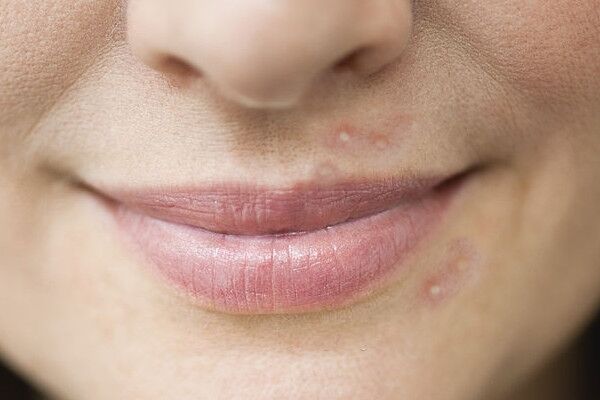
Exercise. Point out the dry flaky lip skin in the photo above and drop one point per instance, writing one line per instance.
(326, 267)
(252, 210)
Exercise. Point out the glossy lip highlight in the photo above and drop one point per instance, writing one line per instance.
(298, 252)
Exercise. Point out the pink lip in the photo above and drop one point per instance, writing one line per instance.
(261, 211)
(307, 248)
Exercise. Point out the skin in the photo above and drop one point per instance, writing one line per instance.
(192, 92)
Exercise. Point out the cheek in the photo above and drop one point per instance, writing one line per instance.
(45, 47)
(546, 48)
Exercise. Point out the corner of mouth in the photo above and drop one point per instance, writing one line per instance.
(235, 270)
(254, 210)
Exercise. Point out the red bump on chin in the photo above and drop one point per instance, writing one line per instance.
(454, 274)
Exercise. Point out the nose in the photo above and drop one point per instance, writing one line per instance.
(267, 53)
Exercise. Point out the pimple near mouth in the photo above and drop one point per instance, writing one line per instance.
(458, 267)
(314, 244)
(289, 273)
(352, 137)
(327, 199)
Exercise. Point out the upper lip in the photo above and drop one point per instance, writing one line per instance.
(253, 210)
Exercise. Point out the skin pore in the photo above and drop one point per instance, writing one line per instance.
(190, 93)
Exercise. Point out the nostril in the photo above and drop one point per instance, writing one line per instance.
(177, 67)
(347, 63)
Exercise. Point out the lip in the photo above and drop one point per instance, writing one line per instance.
(251, 210)
(252, 250)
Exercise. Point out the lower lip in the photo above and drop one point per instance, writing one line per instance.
(310, 271)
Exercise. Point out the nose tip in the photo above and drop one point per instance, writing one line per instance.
(266, 54)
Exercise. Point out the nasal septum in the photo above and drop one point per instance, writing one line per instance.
(268, 54)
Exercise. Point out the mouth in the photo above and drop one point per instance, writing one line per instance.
(255, 250)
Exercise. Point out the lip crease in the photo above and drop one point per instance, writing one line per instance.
(255, 250)
(252, 210)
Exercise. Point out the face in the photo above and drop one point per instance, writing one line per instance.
(424, 177)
